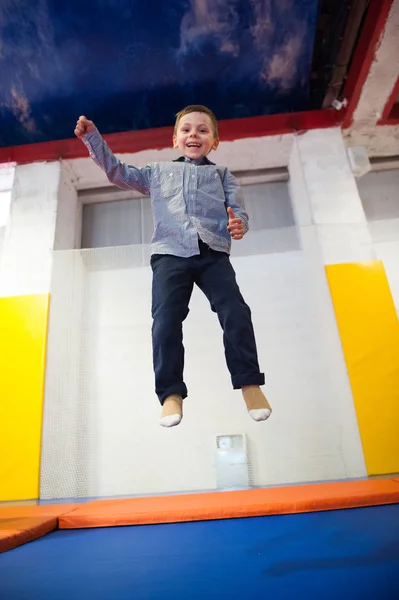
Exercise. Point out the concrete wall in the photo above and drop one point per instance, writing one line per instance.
(6, 184)
(314, 432)
(29, 237)
(380, 197)
(101, 434)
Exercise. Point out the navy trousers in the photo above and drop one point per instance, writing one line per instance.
(172, 286)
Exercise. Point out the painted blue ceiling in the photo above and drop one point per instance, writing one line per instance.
(132, 64)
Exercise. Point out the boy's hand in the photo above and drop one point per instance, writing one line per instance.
(83, 126)
(235, 225)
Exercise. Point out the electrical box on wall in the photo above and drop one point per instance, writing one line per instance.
(232, 469)
(359, 161)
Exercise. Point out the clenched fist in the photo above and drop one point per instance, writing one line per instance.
(83, 126)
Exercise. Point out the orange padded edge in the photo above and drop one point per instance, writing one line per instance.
(227, 505)
(20, 530)
(22, 524)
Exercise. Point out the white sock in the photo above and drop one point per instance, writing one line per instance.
(260, 414)
(170, 421)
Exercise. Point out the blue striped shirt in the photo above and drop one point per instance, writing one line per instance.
(189, 198)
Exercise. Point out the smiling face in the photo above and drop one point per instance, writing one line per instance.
(194, 135)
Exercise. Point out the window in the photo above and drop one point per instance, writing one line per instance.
(129, 221)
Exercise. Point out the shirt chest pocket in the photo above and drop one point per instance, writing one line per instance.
(170, 182)
(211, 184)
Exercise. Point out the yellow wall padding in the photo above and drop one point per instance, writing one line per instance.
(369, 330)
(23, 327)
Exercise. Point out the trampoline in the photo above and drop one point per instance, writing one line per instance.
(216, 545)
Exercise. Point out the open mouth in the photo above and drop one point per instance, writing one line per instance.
(193, 145)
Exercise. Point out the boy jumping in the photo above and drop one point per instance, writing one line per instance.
(197, 208)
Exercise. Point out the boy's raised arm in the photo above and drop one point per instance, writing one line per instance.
(117, 172)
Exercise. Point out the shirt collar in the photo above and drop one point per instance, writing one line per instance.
(197, 161)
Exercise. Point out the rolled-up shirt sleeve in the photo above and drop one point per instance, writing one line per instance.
(235, 198)
(120, 174)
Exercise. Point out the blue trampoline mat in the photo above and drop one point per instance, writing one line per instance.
(345, 554)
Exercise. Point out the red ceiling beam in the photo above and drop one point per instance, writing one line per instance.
(390, 115)
(155, 139)
(376, 18)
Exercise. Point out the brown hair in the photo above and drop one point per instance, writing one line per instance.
(198, 108)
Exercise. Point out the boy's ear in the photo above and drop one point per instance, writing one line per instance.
(216, 144)
(175, 144)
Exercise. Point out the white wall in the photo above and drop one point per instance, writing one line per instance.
(66, 439)
(39, 211)
(68, 227)
(379, 192)
(28, 241)
(380, 197)
(6, 183)
(101, 431)
(111, 442)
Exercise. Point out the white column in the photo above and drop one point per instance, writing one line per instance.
(42, 217)
(26, 258)
(6, 182)
(68, 228)
(326, 199)
(333, 229)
